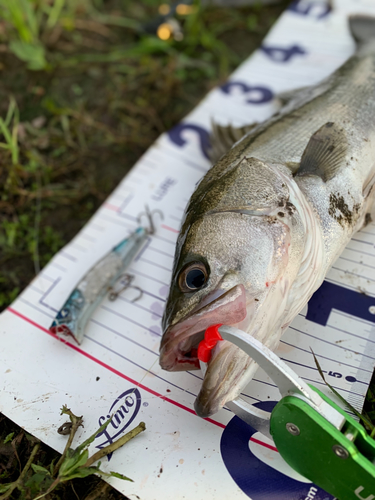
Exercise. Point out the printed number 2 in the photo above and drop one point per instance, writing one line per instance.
(176, 135)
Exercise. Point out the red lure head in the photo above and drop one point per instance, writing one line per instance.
(211, 338)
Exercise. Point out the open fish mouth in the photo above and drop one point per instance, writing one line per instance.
(179, 346)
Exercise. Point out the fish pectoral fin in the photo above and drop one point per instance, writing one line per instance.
(325, 152)
(223, 137)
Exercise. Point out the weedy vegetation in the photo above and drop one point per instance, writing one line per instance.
(72, 464)
(85, 89)
(86, 86)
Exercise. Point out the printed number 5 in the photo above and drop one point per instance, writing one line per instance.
(307, 8)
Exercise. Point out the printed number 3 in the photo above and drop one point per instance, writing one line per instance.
(254, 94)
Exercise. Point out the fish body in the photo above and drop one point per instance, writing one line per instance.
(268, 220)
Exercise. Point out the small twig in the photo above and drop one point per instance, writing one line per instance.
(74, 491)
(15, 442)
(76, 422)
(22, 475)
(116, 445)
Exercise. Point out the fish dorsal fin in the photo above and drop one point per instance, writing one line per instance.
(362, 27)
(325, 152)
(289, 96)
(223, 137)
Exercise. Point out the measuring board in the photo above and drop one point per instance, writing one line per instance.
(116, 369)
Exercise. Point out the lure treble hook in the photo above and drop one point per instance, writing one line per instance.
(126, 280)
(149, 214)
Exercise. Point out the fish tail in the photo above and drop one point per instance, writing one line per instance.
(362, 28)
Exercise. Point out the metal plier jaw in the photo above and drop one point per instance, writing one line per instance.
(287, 381)
(312, 434)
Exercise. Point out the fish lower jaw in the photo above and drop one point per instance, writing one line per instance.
(218, 389)
(184, 356)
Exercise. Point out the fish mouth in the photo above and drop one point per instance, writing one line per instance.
(179, 346)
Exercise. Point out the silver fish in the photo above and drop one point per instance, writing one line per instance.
(268, 220)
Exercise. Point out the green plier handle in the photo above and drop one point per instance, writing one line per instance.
(312, 434)
(341, 461)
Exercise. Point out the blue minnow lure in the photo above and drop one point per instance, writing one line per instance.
(96, 284)
(99, 281)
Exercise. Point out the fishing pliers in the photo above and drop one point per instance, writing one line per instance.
(313, 435)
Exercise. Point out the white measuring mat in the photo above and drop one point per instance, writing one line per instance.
(180, 455)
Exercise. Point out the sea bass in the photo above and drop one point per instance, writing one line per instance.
(268, 220)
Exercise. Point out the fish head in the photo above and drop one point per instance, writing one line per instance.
(231, 267)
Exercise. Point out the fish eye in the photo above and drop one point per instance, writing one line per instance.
(192, 277)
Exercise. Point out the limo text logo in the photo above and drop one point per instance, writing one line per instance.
(124, 411)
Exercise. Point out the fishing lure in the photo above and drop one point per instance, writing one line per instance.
(100, 281)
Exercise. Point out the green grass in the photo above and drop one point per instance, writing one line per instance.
(84, 91)
(41, 481)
